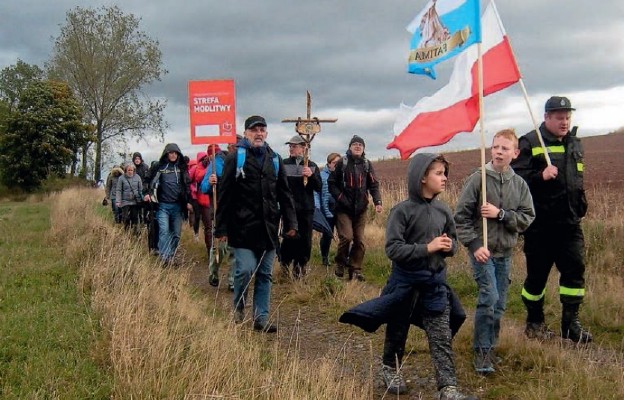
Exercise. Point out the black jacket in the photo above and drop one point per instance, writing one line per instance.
(303, 195)
(351, 185)
(249, 206)
(557, 201)
(153, 175)
(142, 170)
(406, 295)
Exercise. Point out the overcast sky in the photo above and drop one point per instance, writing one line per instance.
(351, 55)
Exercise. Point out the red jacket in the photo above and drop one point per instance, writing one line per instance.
(197, 175)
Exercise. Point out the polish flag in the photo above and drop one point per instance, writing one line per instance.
(455, 108)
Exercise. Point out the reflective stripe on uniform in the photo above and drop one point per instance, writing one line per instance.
(551, 149)
(576, 292)
(532, 297)
(579, 166)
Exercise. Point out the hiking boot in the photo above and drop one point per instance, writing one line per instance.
(452, 393)
(299, 271)
(239, 316)
(266, 327)
(539, 331)
(339, 270)
(285, 275)
(393, 380)
(356, 275)
(571, 327)
(325, 262)
(213, 280)
(483, 362)
(575, 332)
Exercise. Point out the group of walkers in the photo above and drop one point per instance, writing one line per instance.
(534, 186)
(265, 208)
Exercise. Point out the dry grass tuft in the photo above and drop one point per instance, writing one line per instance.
(163, 341)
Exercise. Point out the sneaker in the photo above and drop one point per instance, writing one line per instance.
(452, 393)
(325, 262)
(496, 359)
(213, 280)
(239, 316)
(539, 331)
(266, 327)
(483, 362)
(393, 380)
(231, 287)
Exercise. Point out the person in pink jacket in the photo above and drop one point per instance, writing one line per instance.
(202, 200)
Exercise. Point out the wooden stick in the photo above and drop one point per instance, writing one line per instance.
(482, 129)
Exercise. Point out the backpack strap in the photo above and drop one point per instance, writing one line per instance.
(241, 156)
(345, 162)
(276, 163)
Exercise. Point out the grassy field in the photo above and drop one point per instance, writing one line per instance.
(85, 313)
(49, 334)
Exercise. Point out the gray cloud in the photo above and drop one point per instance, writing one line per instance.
(350, 55)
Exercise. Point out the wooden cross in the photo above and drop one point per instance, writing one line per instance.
(307, 128)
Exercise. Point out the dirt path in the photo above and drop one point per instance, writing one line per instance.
(312, 333)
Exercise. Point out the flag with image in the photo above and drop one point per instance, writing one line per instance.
(434, 120)
(443, 29)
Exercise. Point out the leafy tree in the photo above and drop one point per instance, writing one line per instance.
(42, 134)
(14, 79)
(108, 61)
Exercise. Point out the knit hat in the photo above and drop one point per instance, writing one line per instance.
(357, 139)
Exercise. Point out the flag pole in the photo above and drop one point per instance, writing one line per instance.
(524, 91)
(539, 134)
(215, 245)
(482, 130)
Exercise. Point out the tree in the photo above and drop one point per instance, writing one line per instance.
(14, 79)
(42, 134)
(107, 61)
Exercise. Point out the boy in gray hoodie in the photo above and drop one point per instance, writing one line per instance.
(420, 235)
(508, 211)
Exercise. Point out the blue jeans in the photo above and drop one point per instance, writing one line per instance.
(247, 264)
(493, 281)
(169, 217)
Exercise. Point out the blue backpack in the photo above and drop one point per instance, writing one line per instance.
(241, 155)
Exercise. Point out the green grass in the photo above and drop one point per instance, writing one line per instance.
(49, 338)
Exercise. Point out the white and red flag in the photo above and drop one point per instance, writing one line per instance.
(453, 109)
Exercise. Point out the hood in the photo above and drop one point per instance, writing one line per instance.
(415, 173)
(117, 171)
(201, 155)
(171, 147)
(137, 154)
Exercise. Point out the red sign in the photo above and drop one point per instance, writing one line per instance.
(212, 107)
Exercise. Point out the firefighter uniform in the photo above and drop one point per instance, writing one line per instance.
(555, 237)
